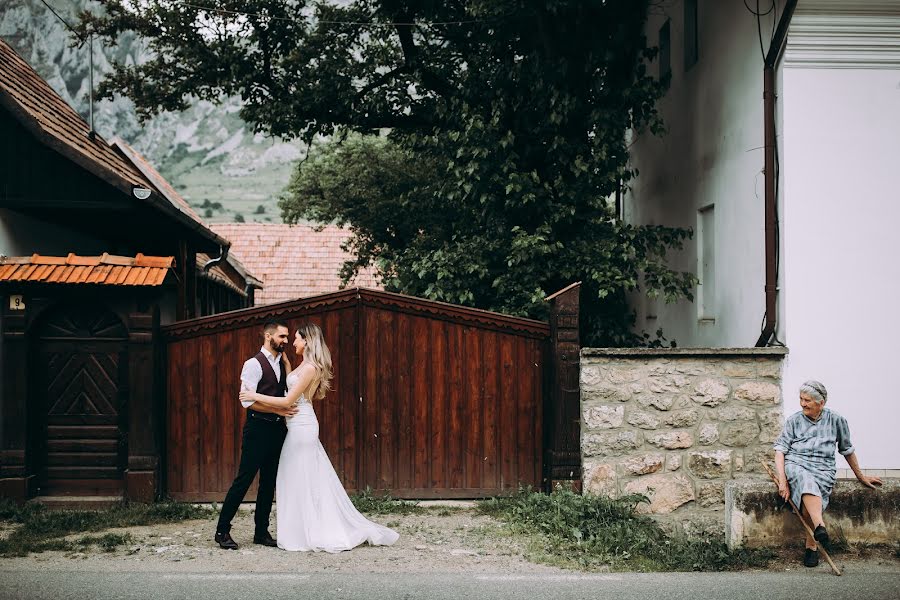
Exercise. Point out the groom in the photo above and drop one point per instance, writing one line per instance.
(264, 433)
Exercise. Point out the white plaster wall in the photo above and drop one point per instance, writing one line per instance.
(21, 235)
(711, 154)
(841, 166)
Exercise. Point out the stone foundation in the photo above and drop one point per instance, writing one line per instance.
(855, 514)
(676, 425)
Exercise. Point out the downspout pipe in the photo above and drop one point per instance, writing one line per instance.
(223, 254)
(776, 47)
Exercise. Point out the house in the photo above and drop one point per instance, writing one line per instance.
(97, 253)
(782, 155)
(293, 261)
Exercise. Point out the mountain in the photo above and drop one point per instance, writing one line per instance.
(208, 153)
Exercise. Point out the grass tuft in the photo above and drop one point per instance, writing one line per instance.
(590, 532)
(373, 503)
(40, 529)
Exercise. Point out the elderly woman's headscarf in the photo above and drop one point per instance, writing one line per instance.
(816, 390)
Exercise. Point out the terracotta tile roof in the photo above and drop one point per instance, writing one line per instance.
(169, 193)
(43, 111)
(45, 114)
(293, 261)
(106, 269)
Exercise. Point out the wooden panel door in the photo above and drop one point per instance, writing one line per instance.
(80, 380)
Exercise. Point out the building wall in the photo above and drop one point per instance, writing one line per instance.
(21, 235)
(711, 154)
(838, 124)
(841, 166)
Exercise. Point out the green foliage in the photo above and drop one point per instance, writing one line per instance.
(41, 529)
(591, 532)
(238, 218)
(260, 210)
(372, 503)
(507, 120)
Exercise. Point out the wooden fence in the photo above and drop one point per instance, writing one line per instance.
(430, 400)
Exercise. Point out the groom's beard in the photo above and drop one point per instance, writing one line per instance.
(277, 348)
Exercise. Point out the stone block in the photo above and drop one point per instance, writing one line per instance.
(772, 422)
(710, 464)
(673, 462)
(683, 418)
(617, 375)
(710, 392)
(739, 434)
(643, 420)
(666, 492)
(739, 369)
(708, 434)
(643, 465)
(757, 391)
(610, 444)
(754, 456)
(711, 494)
(603, 417)
(600, 480)
(600, 393)
(672, 440)
(591, 375)
(735, 413)
(657, 401)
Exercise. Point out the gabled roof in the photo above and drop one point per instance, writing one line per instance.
(293, 261)
(174, 198)
(72, 269)
(57, 125)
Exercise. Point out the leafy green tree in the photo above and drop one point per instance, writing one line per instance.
(507, 123)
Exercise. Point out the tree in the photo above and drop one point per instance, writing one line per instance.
(507, 123)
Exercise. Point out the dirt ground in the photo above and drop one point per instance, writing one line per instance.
(454, 540)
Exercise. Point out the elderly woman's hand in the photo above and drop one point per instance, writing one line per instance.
(869, 482)
(784, 489)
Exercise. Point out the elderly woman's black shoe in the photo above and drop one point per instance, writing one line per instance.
(811, 558)
(821, 537)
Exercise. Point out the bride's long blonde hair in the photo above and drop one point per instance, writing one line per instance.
(318, 355)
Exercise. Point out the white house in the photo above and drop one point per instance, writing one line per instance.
(834, 186)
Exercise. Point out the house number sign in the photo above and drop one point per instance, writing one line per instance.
(16, 302)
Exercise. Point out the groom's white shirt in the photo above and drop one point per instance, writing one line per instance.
(252, 372)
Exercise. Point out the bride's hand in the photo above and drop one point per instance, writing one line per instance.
(247, 396)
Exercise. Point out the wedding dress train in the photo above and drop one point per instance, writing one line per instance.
(313, 512)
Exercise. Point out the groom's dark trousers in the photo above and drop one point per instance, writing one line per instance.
(261, 443)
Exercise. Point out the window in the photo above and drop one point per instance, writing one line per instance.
(706, 263)
(665, 50)
(691, 49)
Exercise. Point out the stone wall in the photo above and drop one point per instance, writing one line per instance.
(676, 425)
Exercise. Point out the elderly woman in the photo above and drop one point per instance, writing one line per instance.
(804, 460)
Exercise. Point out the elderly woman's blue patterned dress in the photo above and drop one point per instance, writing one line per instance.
(808, 447)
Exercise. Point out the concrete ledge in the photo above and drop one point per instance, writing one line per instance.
(855, 514)
(685, 352)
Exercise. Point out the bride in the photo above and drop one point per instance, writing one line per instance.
(313, 511)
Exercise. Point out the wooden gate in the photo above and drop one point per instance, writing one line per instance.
(430, 400)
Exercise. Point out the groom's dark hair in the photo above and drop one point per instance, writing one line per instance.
(273, 324)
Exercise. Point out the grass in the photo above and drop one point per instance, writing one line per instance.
(38, 529)
(589, 532)
(373, 503)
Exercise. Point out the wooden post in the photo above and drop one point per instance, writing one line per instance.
(562, 456)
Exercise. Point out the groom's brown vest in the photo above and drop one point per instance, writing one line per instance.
(269, 385)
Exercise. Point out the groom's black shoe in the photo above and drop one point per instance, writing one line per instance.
(265, 539)
(224, 540)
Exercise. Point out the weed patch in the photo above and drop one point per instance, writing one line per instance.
(371, 503)
(40, 529)
(588, 532)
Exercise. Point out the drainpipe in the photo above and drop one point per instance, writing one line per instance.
(771, 212)
(223, 254)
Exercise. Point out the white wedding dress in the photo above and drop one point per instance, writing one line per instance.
(313, 512)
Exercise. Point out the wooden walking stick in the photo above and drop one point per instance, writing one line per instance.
(802, 520)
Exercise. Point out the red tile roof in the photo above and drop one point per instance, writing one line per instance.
(293, 261)
(57, 125)
(106, 269)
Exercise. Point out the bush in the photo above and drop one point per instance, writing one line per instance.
(593, 532)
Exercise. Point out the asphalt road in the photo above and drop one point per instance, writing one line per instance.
(60, 585)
